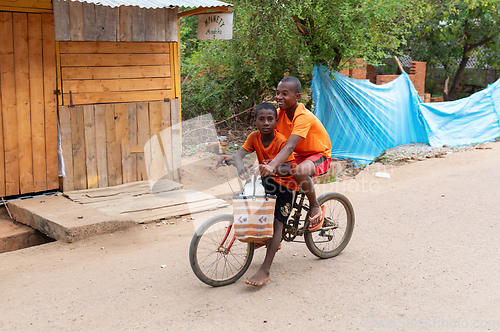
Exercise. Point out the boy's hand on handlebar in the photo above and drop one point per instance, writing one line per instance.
(265, 170)
(244, 173)
(224, 161)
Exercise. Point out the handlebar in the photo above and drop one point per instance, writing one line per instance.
(228, 163)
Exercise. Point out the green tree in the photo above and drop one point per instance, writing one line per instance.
(338, 31)
(452, 32)
(272, 37)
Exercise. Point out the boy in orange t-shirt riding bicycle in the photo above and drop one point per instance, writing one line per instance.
(267, 143)
(307, 139)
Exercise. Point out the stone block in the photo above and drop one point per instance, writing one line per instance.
(15, 236)
(437, 99)
(62, 219)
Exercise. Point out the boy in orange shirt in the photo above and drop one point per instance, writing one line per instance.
(307, 139)
(267, 143)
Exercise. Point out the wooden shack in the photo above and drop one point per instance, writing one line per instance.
(107, 76)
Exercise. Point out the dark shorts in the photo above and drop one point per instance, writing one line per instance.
(321, 163)
(284, 198)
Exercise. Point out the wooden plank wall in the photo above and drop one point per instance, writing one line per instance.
(109, 72)
(28, 108)
(103, 145)
(38, 6)
(81, 21)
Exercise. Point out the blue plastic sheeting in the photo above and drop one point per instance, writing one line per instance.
(474, 119)
(364, 119)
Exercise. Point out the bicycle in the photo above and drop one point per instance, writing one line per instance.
(218, 259)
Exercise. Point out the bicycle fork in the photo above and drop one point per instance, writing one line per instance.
(221, 248)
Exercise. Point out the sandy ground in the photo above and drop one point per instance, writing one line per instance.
(424, 255)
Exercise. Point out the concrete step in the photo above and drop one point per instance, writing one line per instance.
(15, 236)
(73, 216)
(62, 219)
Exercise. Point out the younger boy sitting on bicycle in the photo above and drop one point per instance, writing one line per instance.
(267, 143)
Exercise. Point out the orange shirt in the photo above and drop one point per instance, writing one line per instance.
(315, 138)
(266, 154)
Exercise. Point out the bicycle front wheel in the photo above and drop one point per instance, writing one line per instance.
(333, 236)
(216, 257)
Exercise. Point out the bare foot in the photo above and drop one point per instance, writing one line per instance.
(259, 278)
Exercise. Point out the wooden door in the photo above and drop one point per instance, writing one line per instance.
(28, 104)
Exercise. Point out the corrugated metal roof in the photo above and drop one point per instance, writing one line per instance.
(158, 3)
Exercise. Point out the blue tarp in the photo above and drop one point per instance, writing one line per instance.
(364, 119)
(474, 119)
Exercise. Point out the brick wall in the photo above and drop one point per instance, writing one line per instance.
(417, 76)
(359, 72)
(345, 72)
(363, 71)
(370, 73)
(382, 79)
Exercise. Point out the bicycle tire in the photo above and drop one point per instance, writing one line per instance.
(339, 223)
(208, 257)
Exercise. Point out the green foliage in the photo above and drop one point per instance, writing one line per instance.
(452, 31)
(226, 76)
(189, 28)
(206, 87)
(274, 37)
(336, 31)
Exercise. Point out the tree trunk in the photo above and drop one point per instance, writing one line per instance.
(459, 76)
(338, 57)
(457, 80)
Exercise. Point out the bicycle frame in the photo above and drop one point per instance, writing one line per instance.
(291, 230)
(221, 245)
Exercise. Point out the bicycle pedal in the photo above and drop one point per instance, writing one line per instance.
(328, 222)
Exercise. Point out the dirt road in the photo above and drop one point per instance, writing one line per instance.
(424, 255)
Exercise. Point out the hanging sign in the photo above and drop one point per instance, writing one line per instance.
(215, 26)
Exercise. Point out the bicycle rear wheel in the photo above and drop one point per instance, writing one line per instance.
(216, 257)
(333, 236)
